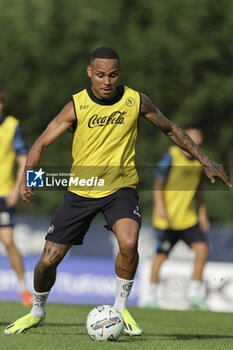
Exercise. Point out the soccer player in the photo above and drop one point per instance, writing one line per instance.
(12, 146)
(177, 182)
(106, 117)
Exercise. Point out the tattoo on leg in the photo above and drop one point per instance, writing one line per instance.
(45, 271)
(55, 253)
(120, 269)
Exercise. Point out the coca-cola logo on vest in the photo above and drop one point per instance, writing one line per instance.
(115, 118)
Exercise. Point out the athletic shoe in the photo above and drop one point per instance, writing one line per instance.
(130, 325)
(198, 303)
(26, 297)
(23, 324)
(153, 304)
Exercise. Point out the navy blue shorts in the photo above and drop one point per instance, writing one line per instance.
(73, 217)
(7, 215)
(166, 239)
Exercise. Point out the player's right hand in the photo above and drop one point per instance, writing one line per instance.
(24, 191)
(26, 194)
(161, 212)
(215, 169)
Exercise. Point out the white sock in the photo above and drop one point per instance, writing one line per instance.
(123, 289)
(154, 291)
(195, 289)
(22, 285)
(39, 302)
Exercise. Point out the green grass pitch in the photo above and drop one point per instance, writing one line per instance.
(163, 330)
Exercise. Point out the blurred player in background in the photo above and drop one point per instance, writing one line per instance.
(12, 146)
(106, 118)
(175, 218)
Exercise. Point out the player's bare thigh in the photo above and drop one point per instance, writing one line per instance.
(6, 235)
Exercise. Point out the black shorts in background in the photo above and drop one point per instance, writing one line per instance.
(166, 239)
(73, 217)
(7, 215)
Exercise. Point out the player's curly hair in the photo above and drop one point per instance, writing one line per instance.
(104, 52)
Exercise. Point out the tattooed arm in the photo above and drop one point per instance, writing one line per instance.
(181, 139)
(56, 127)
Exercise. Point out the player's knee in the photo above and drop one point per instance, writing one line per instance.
(206, 252)
(8, 244)
(129, 246)
(202, 252)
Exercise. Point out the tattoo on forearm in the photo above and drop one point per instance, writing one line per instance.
(35, 149)
(173, 132)
(182, 139)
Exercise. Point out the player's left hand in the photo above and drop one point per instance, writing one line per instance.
(204, 222)
(215, 169)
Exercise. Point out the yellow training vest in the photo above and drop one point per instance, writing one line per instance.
(180, 188)
(104, 143)
(7, 154)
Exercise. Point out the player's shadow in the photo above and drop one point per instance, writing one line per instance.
(52, 324)
(178, 336)
(144, 337)
(64, 324)
(64, 328)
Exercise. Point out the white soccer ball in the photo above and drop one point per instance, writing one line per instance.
(104, 323)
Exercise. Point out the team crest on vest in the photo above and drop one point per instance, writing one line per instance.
(130, 101)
